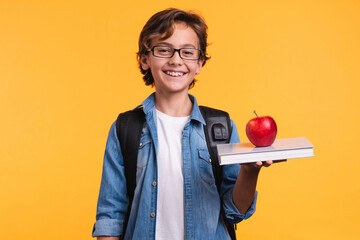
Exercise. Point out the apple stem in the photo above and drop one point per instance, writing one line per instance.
(256, 114)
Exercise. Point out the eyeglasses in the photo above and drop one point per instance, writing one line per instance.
(168, 52)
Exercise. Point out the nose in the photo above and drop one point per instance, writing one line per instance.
(176, 59)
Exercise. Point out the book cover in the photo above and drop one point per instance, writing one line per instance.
(286, 148)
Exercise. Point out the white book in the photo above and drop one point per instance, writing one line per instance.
(286, 148)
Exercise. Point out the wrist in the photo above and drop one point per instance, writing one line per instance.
(250, 169)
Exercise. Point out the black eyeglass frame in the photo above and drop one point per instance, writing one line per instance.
(175, 50)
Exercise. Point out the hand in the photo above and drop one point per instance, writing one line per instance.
(269, 162)
(258, 165)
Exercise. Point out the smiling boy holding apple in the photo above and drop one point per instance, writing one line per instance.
(175, 195)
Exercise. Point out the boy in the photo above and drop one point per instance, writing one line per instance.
(175, 196)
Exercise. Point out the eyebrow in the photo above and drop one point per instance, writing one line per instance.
(188, 45)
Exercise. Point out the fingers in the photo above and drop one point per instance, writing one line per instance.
(269, 163)
(264, 164)
(260, 164)
(283, 160)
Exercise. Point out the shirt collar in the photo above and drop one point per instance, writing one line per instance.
(149, 106)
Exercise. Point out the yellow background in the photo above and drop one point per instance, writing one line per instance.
(67, 68)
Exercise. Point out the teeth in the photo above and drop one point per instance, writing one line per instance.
(174, 73)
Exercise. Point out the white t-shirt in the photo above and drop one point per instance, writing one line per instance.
(170, 186)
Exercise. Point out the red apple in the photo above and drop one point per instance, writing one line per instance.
(261, 131)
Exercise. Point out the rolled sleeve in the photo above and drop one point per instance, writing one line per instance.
(230, 173)
(107, 227)
(113, 202)
(232, 213)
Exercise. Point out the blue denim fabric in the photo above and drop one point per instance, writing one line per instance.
(202, 200)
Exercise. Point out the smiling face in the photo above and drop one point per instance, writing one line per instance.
(174, 75)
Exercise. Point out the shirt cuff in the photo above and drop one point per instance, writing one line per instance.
(232, 214)
(107, 227)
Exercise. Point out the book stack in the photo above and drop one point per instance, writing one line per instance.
(286, 148)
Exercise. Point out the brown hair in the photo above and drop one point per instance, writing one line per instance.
(162, 24)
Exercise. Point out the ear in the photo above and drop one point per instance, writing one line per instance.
(144, 61)
(199, 66)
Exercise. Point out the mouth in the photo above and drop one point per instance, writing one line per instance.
(174, 73)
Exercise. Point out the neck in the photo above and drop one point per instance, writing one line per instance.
(175, 105)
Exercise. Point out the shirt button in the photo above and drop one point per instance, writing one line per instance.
(152, 214)
(209, 160)
(154, 183)
(141, 144)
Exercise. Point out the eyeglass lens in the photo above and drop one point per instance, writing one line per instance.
(168, 52)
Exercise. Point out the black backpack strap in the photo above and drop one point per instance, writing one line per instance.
(129, 126)
(217, 131)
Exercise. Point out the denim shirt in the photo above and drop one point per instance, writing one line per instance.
(202, 200)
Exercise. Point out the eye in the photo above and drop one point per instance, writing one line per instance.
(163, 50)
(189, 52)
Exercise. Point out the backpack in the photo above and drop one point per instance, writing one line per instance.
(129, 127)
